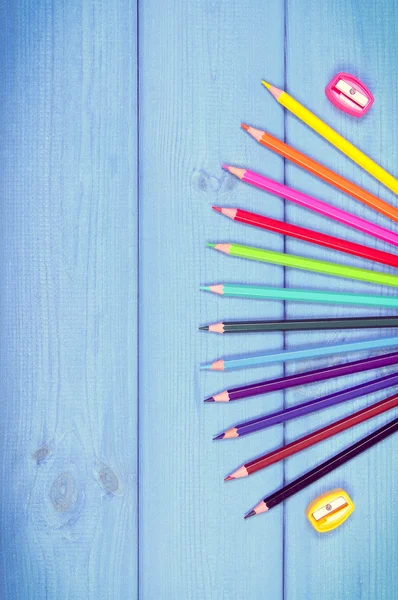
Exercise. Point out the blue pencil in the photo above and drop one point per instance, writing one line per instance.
(257, 360)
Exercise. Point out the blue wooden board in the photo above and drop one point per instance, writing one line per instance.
(358, 560)
(116, 118)
(200, 73)
(68, 432)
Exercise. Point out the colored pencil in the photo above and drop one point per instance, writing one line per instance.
(314, 438)
(306, 264)
(324, 468)
(290, 381)
(308, 235)
(299, 295)
(258, 360)
(300, 325)
(306, 408)
(316, 168)
(279, 189)
(333, 137)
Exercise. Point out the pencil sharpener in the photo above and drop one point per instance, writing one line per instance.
(330, 510)
(349, 94)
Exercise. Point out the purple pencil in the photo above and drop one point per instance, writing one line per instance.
(306, 408)
(283, 383)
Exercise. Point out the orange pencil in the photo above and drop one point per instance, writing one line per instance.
(314, 167)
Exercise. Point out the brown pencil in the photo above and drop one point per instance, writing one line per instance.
(324, 468)
(314, 438)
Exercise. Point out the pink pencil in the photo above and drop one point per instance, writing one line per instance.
(269, 185)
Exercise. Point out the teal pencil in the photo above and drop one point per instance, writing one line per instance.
(299, 295)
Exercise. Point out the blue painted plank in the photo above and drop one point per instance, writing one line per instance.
(201, 65)
(358, 560)
(68, 300)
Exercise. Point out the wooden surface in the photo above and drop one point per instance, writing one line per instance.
(115, 120)
(68, 488)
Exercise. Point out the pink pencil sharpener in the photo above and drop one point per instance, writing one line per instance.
(349, 94)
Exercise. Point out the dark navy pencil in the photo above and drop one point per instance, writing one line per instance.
(324, 468)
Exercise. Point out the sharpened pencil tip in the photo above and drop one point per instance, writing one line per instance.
(225, 167)
(250, 514)
(211, 399)
(244, 126)
(228, 478)
(205, 288)
(266, 84)
(209, 245)
(217, 208)
(220, 436)
(204, 328)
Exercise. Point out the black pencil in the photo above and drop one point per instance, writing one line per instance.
(301, 324)
(324, 468)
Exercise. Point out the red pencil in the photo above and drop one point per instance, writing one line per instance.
(313, 438)
(308, 235)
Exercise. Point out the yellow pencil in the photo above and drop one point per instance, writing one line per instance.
(333, 137)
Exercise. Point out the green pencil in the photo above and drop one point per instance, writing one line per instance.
(307, 264)
(298, 295)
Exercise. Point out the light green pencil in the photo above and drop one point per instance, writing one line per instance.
(308, 264)
(299, 295)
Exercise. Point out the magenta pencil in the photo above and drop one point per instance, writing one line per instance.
(269, 185)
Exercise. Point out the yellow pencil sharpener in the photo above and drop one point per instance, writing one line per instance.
(330, 510)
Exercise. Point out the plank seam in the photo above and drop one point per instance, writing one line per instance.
(284, 302)
(137, 15)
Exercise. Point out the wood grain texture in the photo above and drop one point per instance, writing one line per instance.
(358, 560)
(68, 300)
(201, 65)
(82, 238)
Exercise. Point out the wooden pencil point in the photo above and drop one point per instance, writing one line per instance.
(221, 397)
(276, 92)
(216, 327)
(217, 289)
(217, 365)
(231, 433)
(256, 133)
(222, 248)
(229, 212)
(237, 171)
